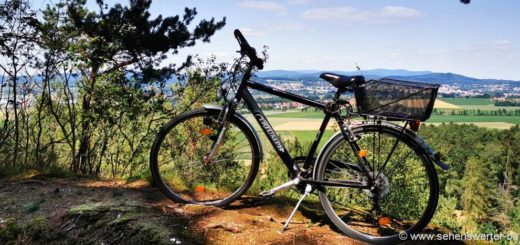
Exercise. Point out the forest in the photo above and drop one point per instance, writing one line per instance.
(73, 105)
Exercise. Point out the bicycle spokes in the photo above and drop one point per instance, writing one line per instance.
(398, 180)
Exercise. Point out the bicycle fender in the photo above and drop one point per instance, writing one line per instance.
(435, 158)
(245, 121)
(427, 148)
(420, 141)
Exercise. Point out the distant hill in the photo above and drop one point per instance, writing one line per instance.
(451, 78)
(419, 76)
(306, 74)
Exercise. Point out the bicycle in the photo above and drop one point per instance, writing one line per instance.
(211, 156)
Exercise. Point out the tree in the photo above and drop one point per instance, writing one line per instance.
(17, 36)
(114, 42)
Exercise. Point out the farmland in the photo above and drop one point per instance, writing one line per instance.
(304, 124)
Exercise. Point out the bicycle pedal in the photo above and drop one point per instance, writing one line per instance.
(266, 194)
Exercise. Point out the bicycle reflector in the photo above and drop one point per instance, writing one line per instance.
(384, 221)
(206, 131)
(414, 125)
(362, 153)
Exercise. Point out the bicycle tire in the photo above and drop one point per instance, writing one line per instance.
(354, 222)
(175, 190)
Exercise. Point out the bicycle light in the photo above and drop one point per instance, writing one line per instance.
(414, 125)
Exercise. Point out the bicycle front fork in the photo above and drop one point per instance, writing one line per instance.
(223, 120)
(216, 145)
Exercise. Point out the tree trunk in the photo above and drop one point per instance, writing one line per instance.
(16, 119)
(84, 144)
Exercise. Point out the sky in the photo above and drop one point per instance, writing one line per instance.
(480, 40)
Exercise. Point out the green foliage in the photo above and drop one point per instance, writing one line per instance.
(37, 228)
(91, 115)
(507, 103)
(32, 207)
(10, 230)
(481, 188)
(446, 214)
(273, 171)
(151, 233)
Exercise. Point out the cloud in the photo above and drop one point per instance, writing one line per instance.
(496, 47)
(248, 32)
(399, 12)
(289, 27)
(264, 5)
(295, 2)
(503, 44)
(351, 14)
(267, 29)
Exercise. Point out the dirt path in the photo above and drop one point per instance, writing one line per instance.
(56, 211)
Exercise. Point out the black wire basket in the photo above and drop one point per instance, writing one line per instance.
(396, 99)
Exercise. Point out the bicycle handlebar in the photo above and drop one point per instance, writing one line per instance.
(245, 48)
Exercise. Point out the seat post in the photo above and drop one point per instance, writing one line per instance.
(337, 95)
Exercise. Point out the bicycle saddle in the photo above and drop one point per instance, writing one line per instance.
(342, 82)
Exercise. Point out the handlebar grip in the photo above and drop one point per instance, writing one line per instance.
(240, 38)
(250, 51)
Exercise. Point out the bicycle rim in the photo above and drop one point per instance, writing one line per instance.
(406, 188)
(181, 172)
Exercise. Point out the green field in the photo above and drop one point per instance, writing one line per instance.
(306, 137)
(483, 120)
(470, 119)
(476, 103)
(300, 114)
(468, 101)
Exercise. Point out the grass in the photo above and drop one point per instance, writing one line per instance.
(33, 206)
(10, 230)
(37, 227)
(89, 208)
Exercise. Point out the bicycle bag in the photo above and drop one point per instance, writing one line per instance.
(396, 99)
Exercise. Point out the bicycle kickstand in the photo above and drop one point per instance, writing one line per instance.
(308, 189)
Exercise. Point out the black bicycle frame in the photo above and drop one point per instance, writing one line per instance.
(244, 94)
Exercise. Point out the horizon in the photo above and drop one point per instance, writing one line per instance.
(303, 71)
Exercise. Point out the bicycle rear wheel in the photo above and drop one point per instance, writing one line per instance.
(403, 194)
(177, 162)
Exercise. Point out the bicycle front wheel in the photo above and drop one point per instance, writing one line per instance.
(178, 166)
(403, 186)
